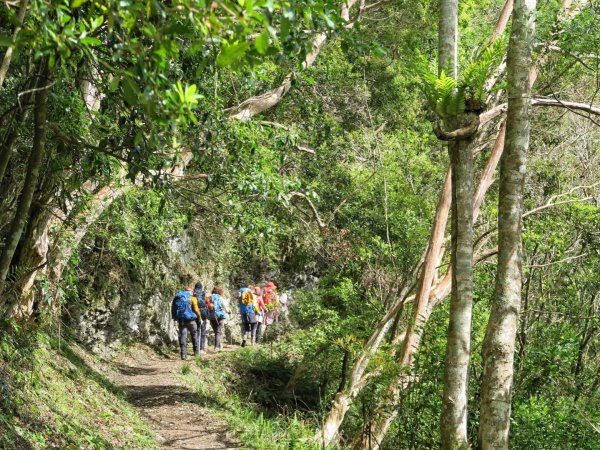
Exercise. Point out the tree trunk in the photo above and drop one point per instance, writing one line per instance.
(357, 378)
(12, 132)
(454, 403)
(435, 294)
(9, 51)
(32, 260)
(31, 178)
(420, 315)
(456, 366)
(499, 342)
(448, 38)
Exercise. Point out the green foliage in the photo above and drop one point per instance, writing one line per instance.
(54, 396)
(450, 98)
(246, 389)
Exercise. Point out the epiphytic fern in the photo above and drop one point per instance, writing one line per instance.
(447, 97)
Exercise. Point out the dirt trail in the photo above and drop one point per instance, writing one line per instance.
(171, 409)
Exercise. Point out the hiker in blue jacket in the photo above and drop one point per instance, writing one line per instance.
(181, 312)
(218, 315)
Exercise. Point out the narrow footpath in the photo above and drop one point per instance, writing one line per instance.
(171, 409)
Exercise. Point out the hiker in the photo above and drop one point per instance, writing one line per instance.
(260, 310)
(200, 295)
(182, 313)
(271, 302)
(218, 315)
(248, 314)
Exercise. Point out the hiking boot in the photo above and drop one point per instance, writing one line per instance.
(244, 343)
(184, 357)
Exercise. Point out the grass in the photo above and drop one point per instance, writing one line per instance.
(245, 388)
(54, 395)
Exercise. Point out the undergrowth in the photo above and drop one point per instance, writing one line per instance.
(246, 389)
(54, 395)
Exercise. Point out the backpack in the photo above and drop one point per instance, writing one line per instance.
(183, 307)
(203, 305)
(218, 311)
(247, 298)
(256, 306)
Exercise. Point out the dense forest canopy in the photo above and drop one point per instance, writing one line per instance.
(422, 177)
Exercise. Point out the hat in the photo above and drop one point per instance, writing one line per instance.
(198, 286)
(270, 285)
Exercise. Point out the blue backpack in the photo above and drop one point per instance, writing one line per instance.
(182, 307)
(202, 306)
(246, 302)
(218, 307)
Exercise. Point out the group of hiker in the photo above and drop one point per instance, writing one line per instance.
(193, 308)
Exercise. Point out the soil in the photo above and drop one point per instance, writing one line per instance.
(171, 409)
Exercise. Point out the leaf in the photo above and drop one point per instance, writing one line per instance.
(130, 91)
(230, 54)
(114, 84)
(284, 29)
(262, 42)
(96, 22)
(77, 3)
(90, 41)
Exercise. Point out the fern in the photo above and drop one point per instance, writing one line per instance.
(445, 87)
(447, 97)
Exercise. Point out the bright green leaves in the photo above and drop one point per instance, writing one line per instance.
(262, 42)
(232, 53)
(183, 99)
(450, 98)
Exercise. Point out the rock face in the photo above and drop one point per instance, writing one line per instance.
(121, 304)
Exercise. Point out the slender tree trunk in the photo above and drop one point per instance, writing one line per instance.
(12, 132)
(357, 378)
(442, 287)
(9, 51)
(499, 342)
(424, 307)
(456, 366)
(438, 292)
(454, 402)
(436, 240)
(31, 178)
(448, 38)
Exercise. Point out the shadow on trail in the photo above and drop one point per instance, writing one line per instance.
(190, 442)
(159, 395)
(133, 371)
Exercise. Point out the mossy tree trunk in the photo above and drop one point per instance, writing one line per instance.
(499, 342)
(32, 176)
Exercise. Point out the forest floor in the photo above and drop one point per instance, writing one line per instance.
(166, 403)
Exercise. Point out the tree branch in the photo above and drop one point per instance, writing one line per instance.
(456, 135)
(587, 107)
